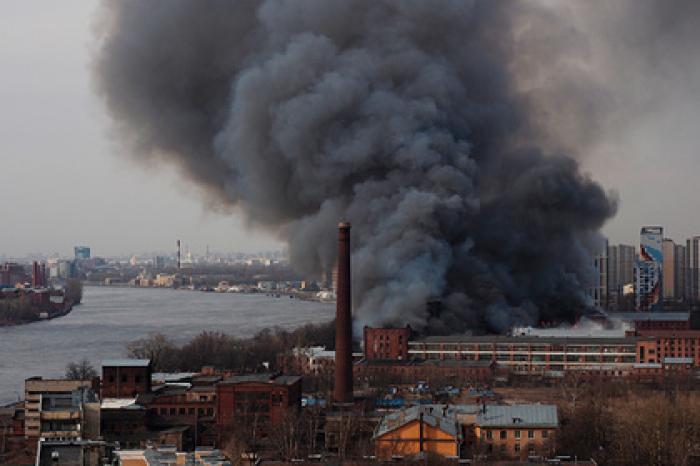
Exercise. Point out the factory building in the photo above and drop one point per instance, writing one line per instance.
(644, 343)
(262, 398)
(125, 378)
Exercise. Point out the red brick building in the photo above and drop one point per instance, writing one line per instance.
(386, 343)
(263, 398)
(125, 378)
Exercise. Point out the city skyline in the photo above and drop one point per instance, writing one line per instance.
(63, 167)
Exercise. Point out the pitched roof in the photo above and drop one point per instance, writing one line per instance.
(439, 416)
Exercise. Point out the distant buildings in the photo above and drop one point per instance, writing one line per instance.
(81, 252)
(621, 260)
(693, 268)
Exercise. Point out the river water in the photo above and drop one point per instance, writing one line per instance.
(109, 318)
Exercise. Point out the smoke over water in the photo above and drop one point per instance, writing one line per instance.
(446, 132)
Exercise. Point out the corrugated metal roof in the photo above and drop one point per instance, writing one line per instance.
(439, 416)
(532, 415)
(678, 360)
(651, 316)
(126, 362)
(525, 339)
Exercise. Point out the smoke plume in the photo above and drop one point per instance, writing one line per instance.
(447, 132)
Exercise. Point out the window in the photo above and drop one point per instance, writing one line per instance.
(163, 411)
(210, 411)
(504, 434)
(517, 434)
(489, 434)
(530, 434)
(182, 411)
(545, 434)
(123, 378)
(200, 411)
(517, 447)
(190, 412)
(173, 411)
(137, 379)
(111, 379)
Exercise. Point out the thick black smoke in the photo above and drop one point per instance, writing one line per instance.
(422, 123)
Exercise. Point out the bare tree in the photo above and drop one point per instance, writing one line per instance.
(82, 370)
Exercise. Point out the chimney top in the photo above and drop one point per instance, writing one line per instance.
(344, 225)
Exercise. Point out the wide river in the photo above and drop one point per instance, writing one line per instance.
(109, 318)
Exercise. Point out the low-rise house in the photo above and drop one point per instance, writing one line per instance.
(498, 431)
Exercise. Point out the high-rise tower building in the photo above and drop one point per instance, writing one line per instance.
(674, 271)
(649, 270)
(692, 284)
(599, 290)
(621, 260)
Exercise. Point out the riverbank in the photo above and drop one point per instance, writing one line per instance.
(109, 318)
(301, 295)
(12, 318)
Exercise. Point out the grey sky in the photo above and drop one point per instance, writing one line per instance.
(63, 182)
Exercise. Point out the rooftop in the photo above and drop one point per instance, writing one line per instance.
(525, 339)
(531, 415)
(265, 377)
(650, 316)
(445, 417)
(126, 362)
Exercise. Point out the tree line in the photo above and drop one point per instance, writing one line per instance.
(226, 352)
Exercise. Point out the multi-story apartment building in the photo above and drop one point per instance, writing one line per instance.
(692, 284)
(61, 409)
(649, 270)
(621, 260)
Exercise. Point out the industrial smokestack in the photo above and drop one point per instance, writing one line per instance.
(342, 391)
(178, 254)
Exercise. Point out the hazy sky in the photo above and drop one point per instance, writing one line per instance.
(63, 181)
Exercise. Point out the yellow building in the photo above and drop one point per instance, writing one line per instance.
(498, 431)
(418, 430)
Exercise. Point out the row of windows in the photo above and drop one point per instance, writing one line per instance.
(124, 378)
(185, 411)
(503, 434)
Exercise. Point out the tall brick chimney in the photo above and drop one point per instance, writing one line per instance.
(342, 391)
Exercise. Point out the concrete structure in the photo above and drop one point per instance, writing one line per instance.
(342, 389)
(74, 453)
(125, 378)
(61, 409)
(649, 270)
(692, 285)
(260, 398)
